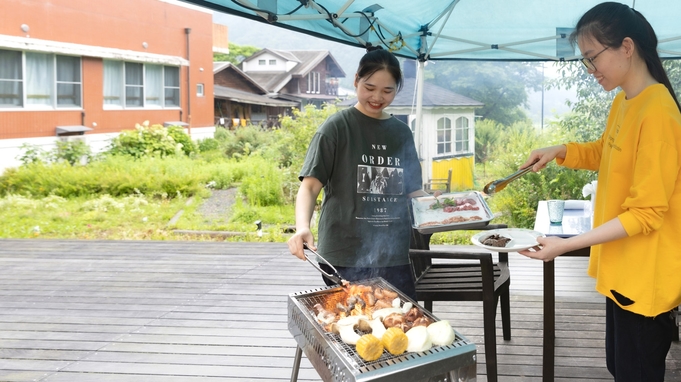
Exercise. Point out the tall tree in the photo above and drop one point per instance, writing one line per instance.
(590, 109)
(486, 137)
(501, 86)
(237, 53)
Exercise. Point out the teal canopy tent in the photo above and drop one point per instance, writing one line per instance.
(504, 30)
(451, 29)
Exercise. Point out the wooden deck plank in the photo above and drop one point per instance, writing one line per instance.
(130, 311)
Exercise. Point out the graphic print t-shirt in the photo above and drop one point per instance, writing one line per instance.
(368, 167)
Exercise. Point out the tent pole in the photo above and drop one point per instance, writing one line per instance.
(422, 139)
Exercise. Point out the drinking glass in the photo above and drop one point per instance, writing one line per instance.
(556, 208)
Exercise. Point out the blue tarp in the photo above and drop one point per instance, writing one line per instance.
(525, 30)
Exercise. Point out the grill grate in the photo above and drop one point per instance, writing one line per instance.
(334, 360)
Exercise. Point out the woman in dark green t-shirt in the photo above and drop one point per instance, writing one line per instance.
(366, 162)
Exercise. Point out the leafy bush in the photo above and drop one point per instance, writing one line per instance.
(71, 152)
(32, 154)
(261, 185)
(178, 134)
(208, 144)
(244, 141)
(299, 130)
(116, 176)
(145, 140)
(519, 200)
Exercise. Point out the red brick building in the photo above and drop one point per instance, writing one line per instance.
(98, 67)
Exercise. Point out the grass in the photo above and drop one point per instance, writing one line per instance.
(147, 217)
(133, 218)
(53, 217)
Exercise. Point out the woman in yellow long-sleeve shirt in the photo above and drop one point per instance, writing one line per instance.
(635, 254)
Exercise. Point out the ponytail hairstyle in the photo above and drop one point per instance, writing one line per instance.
(377, 58)
(609, 23)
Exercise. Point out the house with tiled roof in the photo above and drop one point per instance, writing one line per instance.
(240, 100)
(269, 83)
(301, 76)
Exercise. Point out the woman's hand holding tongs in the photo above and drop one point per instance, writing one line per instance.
(296, 244)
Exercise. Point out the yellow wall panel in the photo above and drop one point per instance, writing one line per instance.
(462, 171)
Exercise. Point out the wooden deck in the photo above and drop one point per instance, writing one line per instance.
(170, 311)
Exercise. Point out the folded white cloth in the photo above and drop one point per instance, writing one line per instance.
(576, 204)
(589, 189)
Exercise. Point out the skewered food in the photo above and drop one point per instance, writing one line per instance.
(369, 347)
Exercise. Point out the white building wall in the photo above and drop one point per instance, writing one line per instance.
(253, 66)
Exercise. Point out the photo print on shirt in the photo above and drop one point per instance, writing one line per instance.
(380, 180)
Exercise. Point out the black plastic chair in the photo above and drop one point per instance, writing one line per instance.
(477, 279)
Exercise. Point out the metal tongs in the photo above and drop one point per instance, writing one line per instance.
(493, 187)
(335, 276)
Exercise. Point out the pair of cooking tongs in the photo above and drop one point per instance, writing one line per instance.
(493, 187)
(316, 259)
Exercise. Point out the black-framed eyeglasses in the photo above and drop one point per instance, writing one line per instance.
(589, 62)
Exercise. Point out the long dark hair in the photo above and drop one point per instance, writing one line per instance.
(609, 23)
(377, 59)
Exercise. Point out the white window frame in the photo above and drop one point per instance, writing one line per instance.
(200, 90)
(174, 88)
(153, 86)
(119, 89)
(313, 83)
(14, 82)
(77, 85)
(462, 136)
(24, 83)
(131, 84)
(262, 62)
(444, 136)
(273, 62)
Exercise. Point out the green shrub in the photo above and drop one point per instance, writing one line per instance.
(32, 154)
(189, 147)
(262, 184)
(208, 144)
(116, 176)
(72, 152)
(518, 201)
(243, 141)
(145, 140)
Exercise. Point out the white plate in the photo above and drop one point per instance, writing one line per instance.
(521, 239)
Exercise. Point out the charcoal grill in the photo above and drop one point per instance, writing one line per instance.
(338, 362)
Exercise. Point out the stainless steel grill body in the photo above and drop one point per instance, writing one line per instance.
(338, 362)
